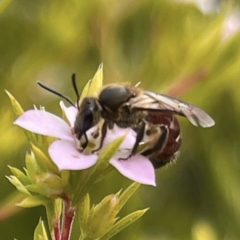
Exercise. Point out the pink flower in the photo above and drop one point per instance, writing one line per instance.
(65, 154)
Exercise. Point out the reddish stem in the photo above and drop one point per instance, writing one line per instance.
(182, 86)
(56, 230)
(69, 213)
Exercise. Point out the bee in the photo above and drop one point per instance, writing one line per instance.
(149, 114)
(165, 138)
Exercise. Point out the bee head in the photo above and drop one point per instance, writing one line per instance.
(87, 117)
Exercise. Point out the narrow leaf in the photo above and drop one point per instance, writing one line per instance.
(32, 167)
(43, 161)
(49, 185)
(65, 175)
(40, 232)
(83, 211)
(102, 217)
(18, 112)
(54, 210)
(123, 223)
(32, 201)
(20, 175)
(15, 104)
(128, 193)
(108, 152)
(20, 187)
(85, 91)
(97, 81)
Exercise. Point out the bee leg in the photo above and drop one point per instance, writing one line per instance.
(160, 143)
(103, 135)
(84, 145)
(139, 137)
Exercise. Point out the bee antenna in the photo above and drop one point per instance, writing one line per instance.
(56, 93)
(74, 83)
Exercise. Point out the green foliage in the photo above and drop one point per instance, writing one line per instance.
(94, 84)
(40, 232)
(101, 221)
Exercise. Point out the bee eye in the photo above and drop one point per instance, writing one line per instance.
(87, 117)
(83, 123)
(87, 120)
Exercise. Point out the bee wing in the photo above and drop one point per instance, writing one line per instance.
(151, 101)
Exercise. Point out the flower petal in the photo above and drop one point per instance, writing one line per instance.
(44, 123)
(137, 168)
(117, 132)
(65, 155)
(70, 112)
(112, 134)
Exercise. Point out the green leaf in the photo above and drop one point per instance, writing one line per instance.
(54, 211)
(58, 207)
(97, 81)
(128, 193)
(102, 217)
(20, 175)
(32, 166)
(18, 112)
(43, 142)
(108, 152)
(93, 85)
(83, 211)
(85, 90)
(48, 185)
(20, 187)
(118, 193)
(43, 161)
(65, 175)
(33, 201)
(15, 104)
(40, 232)
(102, 167)
(123, 223)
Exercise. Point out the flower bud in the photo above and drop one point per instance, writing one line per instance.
(102, 217)
(48, 185)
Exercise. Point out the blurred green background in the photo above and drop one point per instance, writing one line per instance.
(184, 49)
